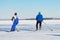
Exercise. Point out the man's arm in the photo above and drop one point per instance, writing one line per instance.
(12, 18)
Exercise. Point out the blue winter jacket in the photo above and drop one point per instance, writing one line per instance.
(39, 17)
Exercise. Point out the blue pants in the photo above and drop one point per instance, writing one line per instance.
(13, 27)
(14, 24)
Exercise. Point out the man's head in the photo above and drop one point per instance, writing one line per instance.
(39, 13)
(15, 14)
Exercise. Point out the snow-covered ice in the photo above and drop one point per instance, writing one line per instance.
(27, 30)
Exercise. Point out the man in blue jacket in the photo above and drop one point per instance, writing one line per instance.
(39, 19)
(15, 22)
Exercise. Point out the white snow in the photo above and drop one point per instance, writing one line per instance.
(27, 30)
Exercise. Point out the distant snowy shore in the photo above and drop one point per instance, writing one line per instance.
(31, 22)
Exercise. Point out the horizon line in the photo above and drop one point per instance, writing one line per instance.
(35, 19)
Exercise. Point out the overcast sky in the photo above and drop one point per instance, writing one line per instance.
(29, 8)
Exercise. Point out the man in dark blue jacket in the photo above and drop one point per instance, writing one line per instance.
(39, 19)
(15, 22)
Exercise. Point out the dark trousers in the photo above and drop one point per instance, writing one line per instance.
(40, 23)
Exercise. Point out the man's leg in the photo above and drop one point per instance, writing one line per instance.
(13, 27)
(36, 25)
(40, 23)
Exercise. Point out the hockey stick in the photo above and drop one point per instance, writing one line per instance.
(48, 27)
